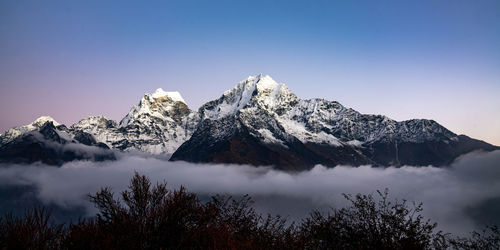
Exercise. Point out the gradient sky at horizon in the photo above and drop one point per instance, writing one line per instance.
(405, 59)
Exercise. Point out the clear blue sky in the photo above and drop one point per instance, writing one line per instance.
(405, 59)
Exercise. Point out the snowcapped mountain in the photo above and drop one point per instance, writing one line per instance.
(48, 142)
(261, 122)
(248, 125)
(13, 133)
(158, 124)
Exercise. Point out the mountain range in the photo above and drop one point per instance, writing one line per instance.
(258, 122)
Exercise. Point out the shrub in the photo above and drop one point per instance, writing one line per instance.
(368, 224)
(488, 238)
(153, 217)
(32, 231)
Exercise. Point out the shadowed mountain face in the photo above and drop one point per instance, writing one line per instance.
(239, 144)
(258, 122)
(437, 153)
(54, 146)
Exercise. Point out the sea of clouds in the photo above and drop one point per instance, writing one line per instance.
(461, 197)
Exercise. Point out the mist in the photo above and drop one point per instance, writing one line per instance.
(460, 198)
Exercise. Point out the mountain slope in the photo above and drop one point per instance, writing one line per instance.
(159, 124)
(13, 133)
(52, 145)
(261, 122)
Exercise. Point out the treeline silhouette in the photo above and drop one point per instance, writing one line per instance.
(154, 217)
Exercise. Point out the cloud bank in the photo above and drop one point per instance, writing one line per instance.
(459, 197)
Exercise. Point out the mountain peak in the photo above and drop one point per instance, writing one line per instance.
(13, 133)
(261, 82)
(94, 123)
(175, 96)
(40, 121)
(266, 82)
(158, 105)
(258, 91)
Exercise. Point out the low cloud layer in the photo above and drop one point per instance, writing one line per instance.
(459, 197)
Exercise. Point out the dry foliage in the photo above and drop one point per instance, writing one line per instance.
(153, 217)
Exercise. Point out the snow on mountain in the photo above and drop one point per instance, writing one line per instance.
(101, 128)
(262, 111)
(230, 102)
(175, 96)
(319, 120)
(247, 125)
(53, 145)
(158, 124)
(319, 115)
(263, 93)
(13, 133)
(160, 104)
(42, 120)
(56, 132)
(94, 124)
(255, 90)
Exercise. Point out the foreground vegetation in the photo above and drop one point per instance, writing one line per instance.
(153, 217)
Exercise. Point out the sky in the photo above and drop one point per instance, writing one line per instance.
(405, 59)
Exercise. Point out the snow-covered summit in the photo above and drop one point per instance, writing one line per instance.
(160, 104)
(266, 82)
(314, 120)
(174, 95)
(158, 124)
(260, 90)
(258, 82)
(12, 133)
(261, 82)
(94, 123)
(43, 119)
(273, 96)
